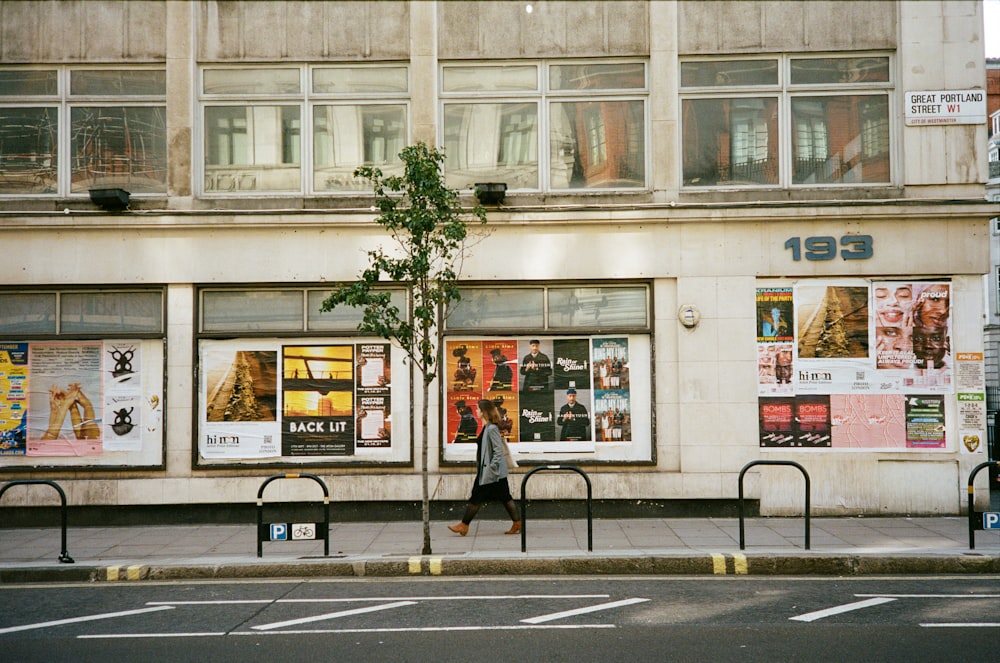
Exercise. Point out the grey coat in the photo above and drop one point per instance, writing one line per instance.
(492, 463)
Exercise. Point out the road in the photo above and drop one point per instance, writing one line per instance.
(515, 619)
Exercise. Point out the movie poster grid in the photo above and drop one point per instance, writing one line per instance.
(842, 365)
(554, 394)
(302, 400)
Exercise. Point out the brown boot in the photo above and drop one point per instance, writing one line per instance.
(515, 528)
(462, 528)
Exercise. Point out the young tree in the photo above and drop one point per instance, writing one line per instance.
(429, 227)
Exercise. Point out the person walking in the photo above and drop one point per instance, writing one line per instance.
(491, 483)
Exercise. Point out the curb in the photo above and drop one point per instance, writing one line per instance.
(759, 564)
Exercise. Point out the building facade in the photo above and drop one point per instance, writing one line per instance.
(731, 232)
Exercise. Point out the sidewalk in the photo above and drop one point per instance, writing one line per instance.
(839, 546)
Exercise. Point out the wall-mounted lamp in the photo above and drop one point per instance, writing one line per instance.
(490, 193)
(689, 315)
(111, 200)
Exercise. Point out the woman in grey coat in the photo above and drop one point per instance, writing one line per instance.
(491, 483)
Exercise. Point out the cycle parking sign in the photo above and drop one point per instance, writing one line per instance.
(293, 531)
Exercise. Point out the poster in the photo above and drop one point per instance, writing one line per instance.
(123, 399)
(240, 400)
(373, 404)
(299, 400)
(925, 422)
(554, 394)
(317, 390)
(876, 355)
(13, 399)
(65, 397)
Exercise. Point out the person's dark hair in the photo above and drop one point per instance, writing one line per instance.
(490, 411)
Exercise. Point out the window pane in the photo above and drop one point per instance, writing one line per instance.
(252, 81)
(729, 73)
(598, 307)
(346, 137)
(119, 147)
(597, 144)
(28, 82)
(730, 141)
(359, 80)
(28, 150)
(511, 78)
(252, 310)
(842, 139)
(506, 308)
(344, 318)
(252, 148)
(114, 312)
(118, 83)
(491, 143)
(28, 313)
(819, 71)
(621, 76)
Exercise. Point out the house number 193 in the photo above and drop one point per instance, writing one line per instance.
(858, 247)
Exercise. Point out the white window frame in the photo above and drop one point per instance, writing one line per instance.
(306, 100)
(544, 97)
(785, 92)
(64, 102)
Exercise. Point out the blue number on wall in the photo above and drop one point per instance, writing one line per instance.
(825, 247)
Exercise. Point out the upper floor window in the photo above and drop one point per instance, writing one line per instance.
(295, 129)
(545, 126)
(785, 121)
(65, 130)
(25, 313)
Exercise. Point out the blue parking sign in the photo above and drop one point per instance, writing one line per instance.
(279, 532)
(991, 520)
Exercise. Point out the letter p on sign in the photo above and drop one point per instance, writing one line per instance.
(991, 520)
(279, 532)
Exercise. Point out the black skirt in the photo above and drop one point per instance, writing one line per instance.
(498, 491)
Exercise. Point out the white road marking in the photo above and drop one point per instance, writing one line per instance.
(936, 596)
(411, 629)
(848, 607)
(963, 625)
(86, 618)
(581, 611)
(333, 615)
(107, 636)
(364, 599)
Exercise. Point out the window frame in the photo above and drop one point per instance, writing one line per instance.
(65, 101)
(544, 98)
(786, 92)
(307, 100)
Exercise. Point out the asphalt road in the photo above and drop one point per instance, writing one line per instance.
(511, 619)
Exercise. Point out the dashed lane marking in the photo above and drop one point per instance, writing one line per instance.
(85, 618)
(332, 615)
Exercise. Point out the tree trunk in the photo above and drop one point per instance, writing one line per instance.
(425, 494)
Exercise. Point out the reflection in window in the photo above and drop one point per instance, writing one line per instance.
(256, 148)
(27, 313)
(716, 73)
(506, 308)
(598, 307)
(104, 312)
(345, 137)
(252, 310)
(29, 139)
(122, 147)
(597, 144)
(491, 143)
(826, 71)
(840, 139)
(344, 317)
(730, 141)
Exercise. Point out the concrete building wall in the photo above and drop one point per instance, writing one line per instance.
(708, 249)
